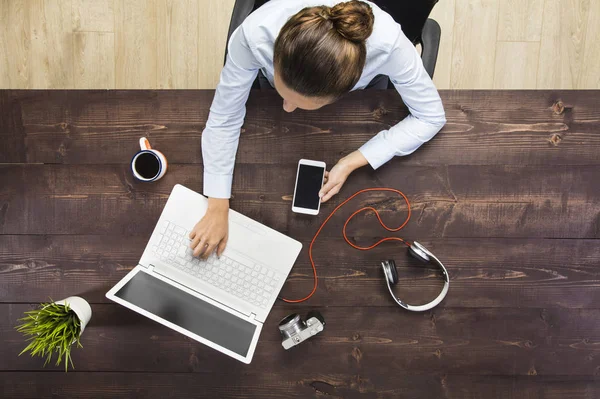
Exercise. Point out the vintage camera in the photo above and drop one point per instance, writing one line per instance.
(294, 330)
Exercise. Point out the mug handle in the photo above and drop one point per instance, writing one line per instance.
(144, 144)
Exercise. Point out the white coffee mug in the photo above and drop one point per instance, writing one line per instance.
(148, 164)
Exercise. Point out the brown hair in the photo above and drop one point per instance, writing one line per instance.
(321, 52)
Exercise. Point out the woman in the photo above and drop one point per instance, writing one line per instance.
(312, 52)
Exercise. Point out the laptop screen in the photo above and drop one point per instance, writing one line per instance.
(189, 312)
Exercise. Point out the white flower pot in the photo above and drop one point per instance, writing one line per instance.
(81, 307)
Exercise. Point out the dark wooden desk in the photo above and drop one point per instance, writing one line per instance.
(507, 195)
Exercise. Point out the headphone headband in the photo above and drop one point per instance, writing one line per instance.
(418, 308)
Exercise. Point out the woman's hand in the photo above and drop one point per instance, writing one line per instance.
(212, 231)
(335, 179)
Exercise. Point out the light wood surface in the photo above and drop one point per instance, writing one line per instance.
(474, 44)
(179, 44)
(520, 20)
(94, 60)
(177, 41)
(136, 43)
(516, 65)
(590, 72)
(563, 37)
(93, 15)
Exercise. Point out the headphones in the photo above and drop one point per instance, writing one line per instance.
(421, 253)
(389, 266)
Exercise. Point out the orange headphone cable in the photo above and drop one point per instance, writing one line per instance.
(367, 208)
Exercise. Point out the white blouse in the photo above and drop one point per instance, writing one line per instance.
(389, 52)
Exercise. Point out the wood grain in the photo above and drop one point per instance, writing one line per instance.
(51, 59)
(94, 16)
(94, 60)
(12, 134)
(183, 48)
(482, 271)
(504, 196)
(562, 44)
(299, 384)
(177, 44)
(457, 201)
(590, 78)
(136, 33)
(507, 128)
(541, 342)
(5, 62)
(474, 44)
(520, 20)
(516, 65)
(16, 44)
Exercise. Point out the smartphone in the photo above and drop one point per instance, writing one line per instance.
(309, 180)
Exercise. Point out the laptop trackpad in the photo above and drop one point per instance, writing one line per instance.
(189, 312)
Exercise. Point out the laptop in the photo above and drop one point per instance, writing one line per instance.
(220, 302)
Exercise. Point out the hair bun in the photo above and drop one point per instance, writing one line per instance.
(352, 19)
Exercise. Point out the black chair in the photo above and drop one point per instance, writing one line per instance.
(412, 15)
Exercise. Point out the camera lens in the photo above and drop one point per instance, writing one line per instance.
(291, 325)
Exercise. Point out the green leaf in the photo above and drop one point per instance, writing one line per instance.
(51, 329)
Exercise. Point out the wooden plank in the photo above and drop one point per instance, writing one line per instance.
(213, 24)
(443, 14)
(454, 201)
(51, 57)
(135, 44)
(474, 44)
(483, 128)
(302, 383)
(562, 44)
(12, 134)
(5, 62)
(94, 60)
(479, 341)
(516, 65)
(538, 272)
(16, 36)
(590, 78)
(177, 45)
(520, 21)
(93, 16)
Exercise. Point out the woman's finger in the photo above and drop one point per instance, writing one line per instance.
(331, 193)
(209, 250)
(326, 188)
(199, 249)
(195, 241)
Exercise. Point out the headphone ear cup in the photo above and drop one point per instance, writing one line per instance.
(390, 271)
(416, 252)
(394, 273)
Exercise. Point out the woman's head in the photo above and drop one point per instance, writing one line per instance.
(320, 53)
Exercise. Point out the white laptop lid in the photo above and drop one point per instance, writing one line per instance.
(187, 312)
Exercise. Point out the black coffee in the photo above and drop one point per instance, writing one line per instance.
(147, 165)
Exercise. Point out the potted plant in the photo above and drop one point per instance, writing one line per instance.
(54, 327)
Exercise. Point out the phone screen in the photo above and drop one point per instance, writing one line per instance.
(310, 180)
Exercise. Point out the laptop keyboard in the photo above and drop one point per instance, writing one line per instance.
(253, 282)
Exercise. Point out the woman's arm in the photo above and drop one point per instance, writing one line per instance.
(219, 144)
(405, 70)
(221, 136)
(427, 117)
